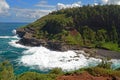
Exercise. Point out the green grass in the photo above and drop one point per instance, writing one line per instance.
(111, 46)
(74, 40)
(52, 75)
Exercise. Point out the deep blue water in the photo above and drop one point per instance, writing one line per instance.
(7, 52)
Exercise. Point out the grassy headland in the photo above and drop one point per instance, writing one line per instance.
(91, 26)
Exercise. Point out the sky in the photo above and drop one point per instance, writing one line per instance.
(31, 10)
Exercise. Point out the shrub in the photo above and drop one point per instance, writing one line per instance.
(57, 71)
(6, 71)
(36, 76)
(105, 64)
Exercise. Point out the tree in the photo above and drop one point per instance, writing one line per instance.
(101, 35)
(88, 35)
(114, 35)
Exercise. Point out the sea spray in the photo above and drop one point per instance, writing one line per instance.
(115, 63)
(17, 45)
(14, 31)
(46, 59)
(11, 37)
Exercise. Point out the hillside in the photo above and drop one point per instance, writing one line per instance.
(74, 28)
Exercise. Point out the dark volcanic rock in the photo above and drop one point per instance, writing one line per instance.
(57, 46)
(31, 42)
(20, 32)
(27, 39)
(26, 35)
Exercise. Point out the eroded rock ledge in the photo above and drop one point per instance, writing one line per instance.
(27, 38)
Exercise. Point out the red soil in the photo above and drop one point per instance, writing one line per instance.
(74, 32)
(86, 76)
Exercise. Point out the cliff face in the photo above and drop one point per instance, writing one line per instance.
(21, 32)
(66, 29)
(28, 39)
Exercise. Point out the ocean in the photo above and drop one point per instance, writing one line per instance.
(39, 59)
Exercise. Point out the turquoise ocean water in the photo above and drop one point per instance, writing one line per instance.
(8, 52)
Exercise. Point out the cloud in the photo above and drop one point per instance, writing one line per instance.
(116, 2)
(37, 11)
(29, 13)
(44, 4)
(3, 7)
(105, 1)
(63, 6)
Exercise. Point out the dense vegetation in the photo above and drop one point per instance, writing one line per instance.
(7, 72)
(93, 26)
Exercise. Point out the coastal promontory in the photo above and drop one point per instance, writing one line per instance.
(75, 28)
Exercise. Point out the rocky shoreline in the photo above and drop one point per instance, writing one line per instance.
(27, 39)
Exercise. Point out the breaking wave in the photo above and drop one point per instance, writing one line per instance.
(9, 37)
(17, 45)
(115, 63)
(46, 59)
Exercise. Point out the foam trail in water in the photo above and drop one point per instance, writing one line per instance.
(14, 41)
(9, 37)
(17, 45)
(46, 59)
(14, 33)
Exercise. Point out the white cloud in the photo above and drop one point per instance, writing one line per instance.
(104, 1)
(29, 13)
(116, 2)
(44, 4)
(3, 7)
(39, 10)
(63, 6)
(37, 13)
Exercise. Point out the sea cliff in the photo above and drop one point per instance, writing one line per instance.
(75, 29)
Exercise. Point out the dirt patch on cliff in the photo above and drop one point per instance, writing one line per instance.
(85, 76)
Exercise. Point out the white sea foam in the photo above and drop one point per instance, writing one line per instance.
(115, 63)
(46, 59)
(9, 37)
(14, 31)
(17, 45)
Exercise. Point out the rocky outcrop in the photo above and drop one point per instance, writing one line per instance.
(20, 32)
(27, 38)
